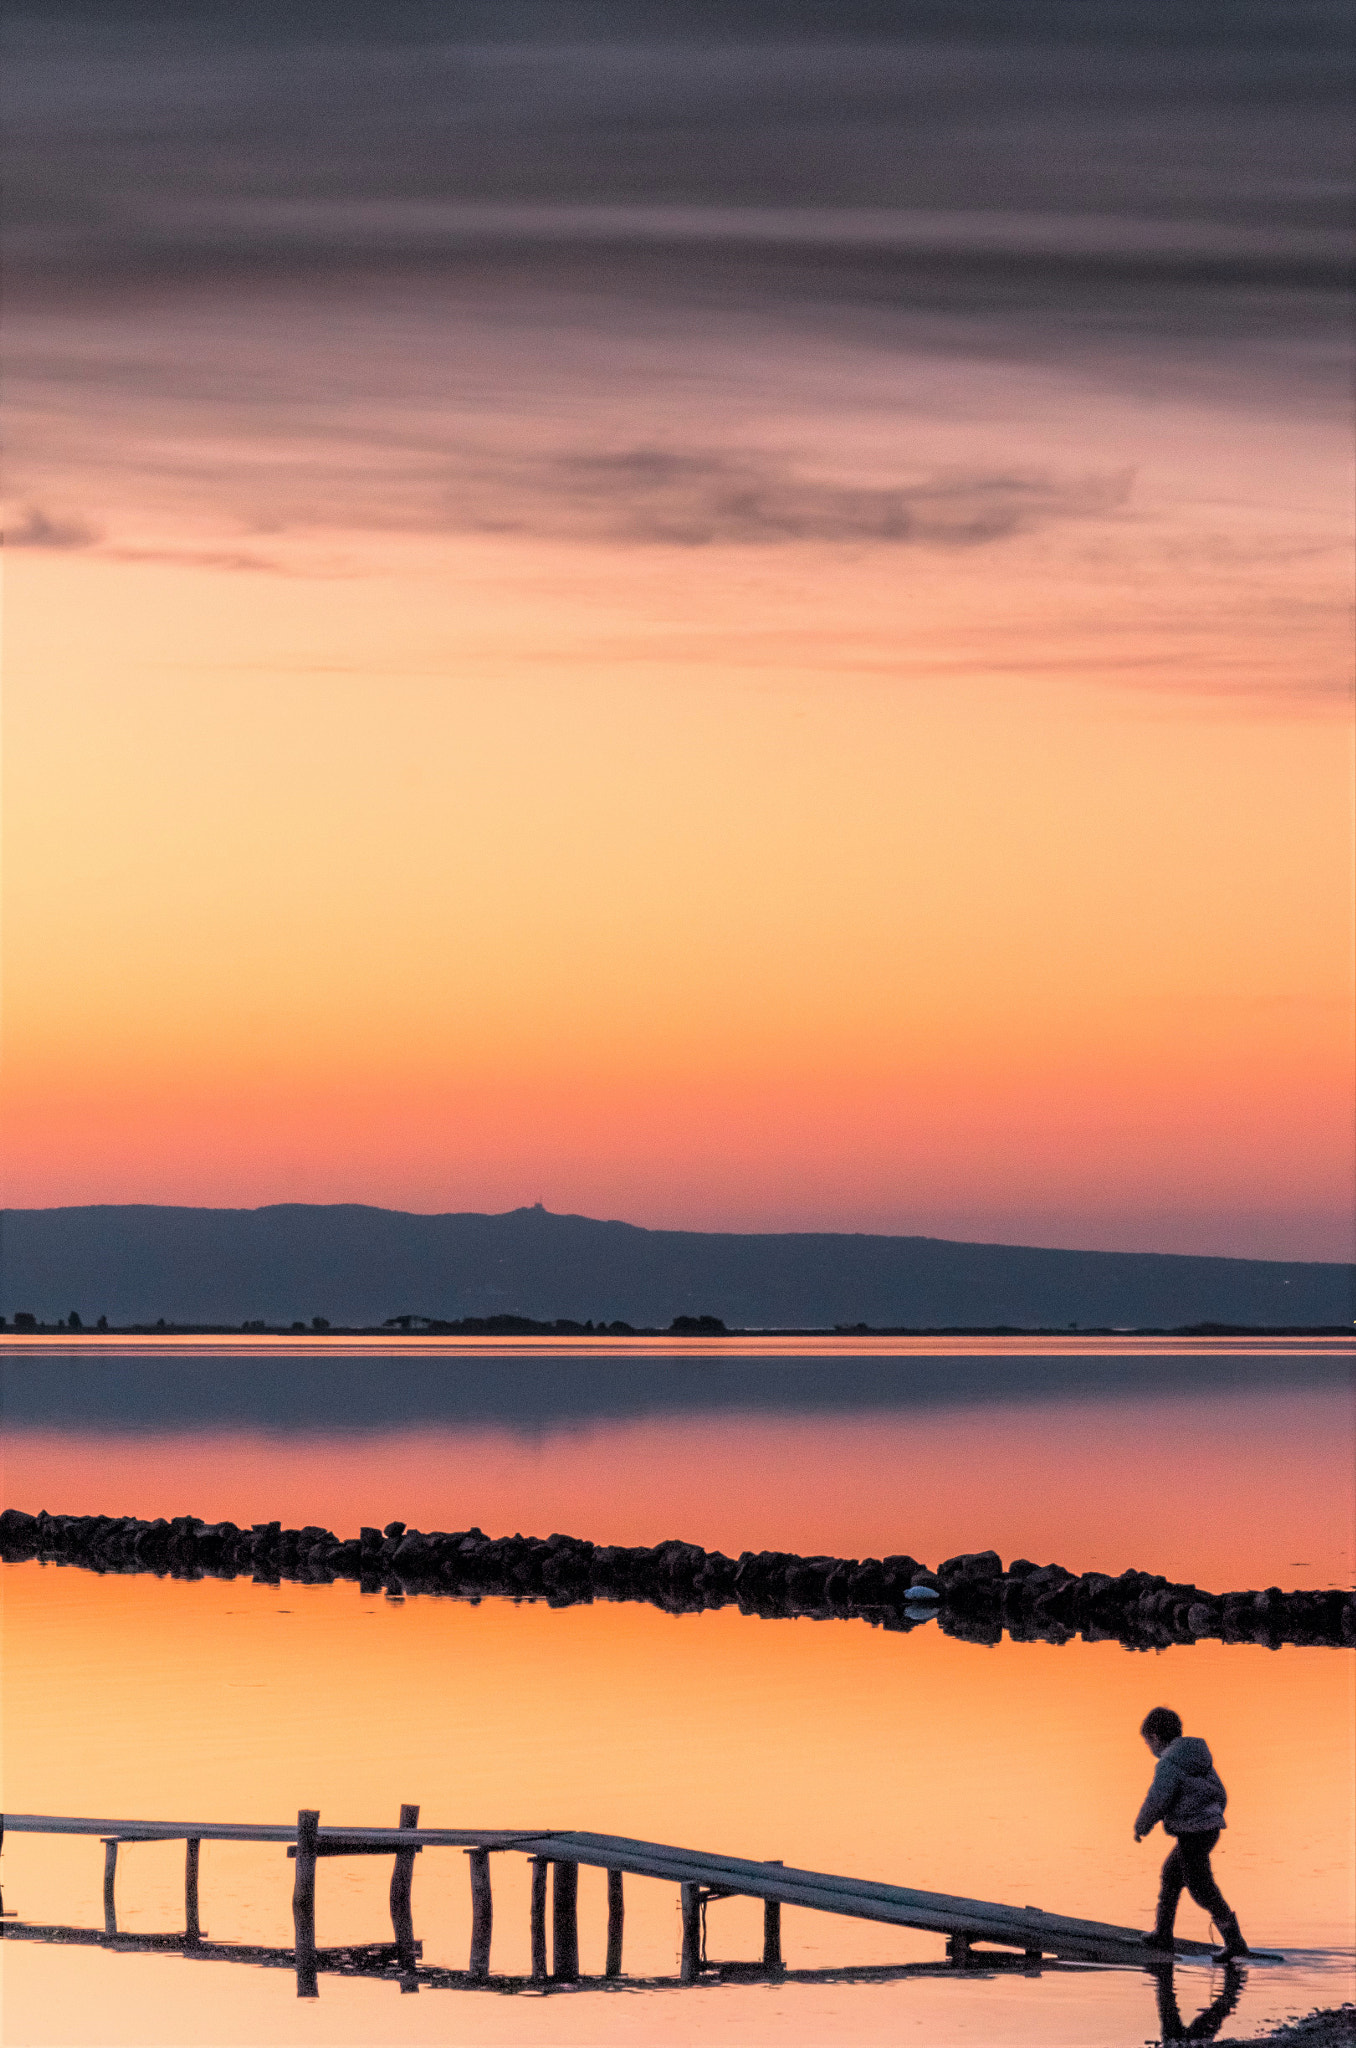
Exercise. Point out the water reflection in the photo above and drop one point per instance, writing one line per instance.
(1223, 1470)
(1211, 2017)
(400, 1964)
(386, 1960)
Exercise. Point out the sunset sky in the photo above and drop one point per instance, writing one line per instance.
(735, 617)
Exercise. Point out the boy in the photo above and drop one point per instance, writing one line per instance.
(1187, 1796)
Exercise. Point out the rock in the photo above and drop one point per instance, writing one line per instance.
(565, 1567)
(717, 1575)
(971, 1564)
(864, 1585)
(806, 1579)
(901, 1568)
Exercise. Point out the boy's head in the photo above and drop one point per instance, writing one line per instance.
(1160, 1727)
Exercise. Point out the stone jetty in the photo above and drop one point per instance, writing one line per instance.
(973, 1596)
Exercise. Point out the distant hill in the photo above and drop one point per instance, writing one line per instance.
(359, 1265)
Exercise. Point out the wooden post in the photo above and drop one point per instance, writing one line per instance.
(303, 1903)
(772, 1930)
(565, 1923)
(691, 1897)
(958, 1948)
(540, 1866)
(192, 1853)
(110, 1879)
(402, 1878)
(482, 1913)
(616, 1915)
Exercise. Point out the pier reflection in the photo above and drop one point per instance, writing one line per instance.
(388, 1960)
(400, 1963)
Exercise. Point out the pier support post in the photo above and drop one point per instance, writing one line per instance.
(192, 1853)
(565, 1922)
(691, 1898)
(772, 1934)
(482, 1913)
(110, 1880)
(772, 1928)
(958, 1948)
(303, 1903)
(540, 1866)
(402, 1879)
(616, 1916)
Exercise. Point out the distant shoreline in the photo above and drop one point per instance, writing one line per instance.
(700, 1327)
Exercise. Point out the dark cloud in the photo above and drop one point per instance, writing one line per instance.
(686, 499)
(1149, 139)
(232, 559)
(35, 528)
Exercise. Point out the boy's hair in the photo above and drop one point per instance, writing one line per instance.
(1161, 1725)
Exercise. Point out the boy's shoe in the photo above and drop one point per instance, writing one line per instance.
(1161, 1944)
(1234, 1944)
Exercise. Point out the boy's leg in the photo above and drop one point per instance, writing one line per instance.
(1194, 1851)
(1170, 1884)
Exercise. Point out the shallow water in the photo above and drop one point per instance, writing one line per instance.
(1010, 1773)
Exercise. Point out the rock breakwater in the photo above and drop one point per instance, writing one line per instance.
(973, 1595)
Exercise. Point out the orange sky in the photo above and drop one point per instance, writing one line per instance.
(997, 890)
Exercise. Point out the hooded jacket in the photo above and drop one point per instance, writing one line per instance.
(1186, 1794)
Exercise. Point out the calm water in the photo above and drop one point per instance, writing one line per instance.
(1009, 1773)
(1232, 1467)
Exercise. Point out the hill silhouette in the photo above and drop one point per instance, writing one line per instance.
(360, 1265)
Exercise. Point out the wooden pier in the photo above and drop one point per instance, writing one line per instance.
(977, 1932)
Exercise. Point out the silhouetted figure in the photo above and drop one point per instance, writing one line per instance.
(1207, 2023)
(1189, 1798)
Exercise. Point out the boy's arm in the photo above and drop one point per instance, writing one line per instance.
(1157, 1800)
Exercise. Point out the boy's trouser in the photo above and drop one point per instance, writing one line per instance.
(1189, 1866)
